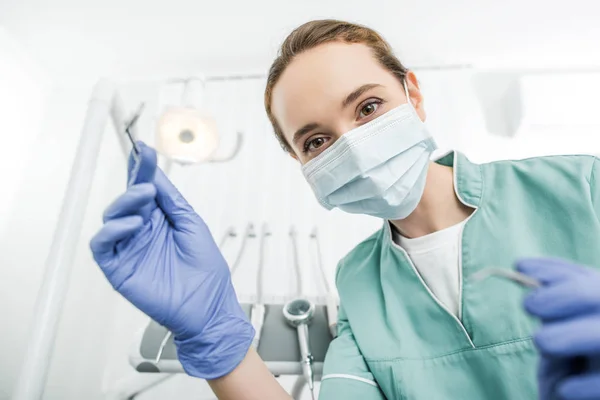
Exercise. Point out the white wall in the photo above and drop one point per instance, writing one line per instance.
(261, 185)
(21, 106)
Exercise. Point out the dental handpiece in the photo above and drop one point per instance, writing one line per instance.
(299, 314)
(296, 261)
(229, 233)
(332, 303)
(248, 234)
(257, 313)
(307, 358)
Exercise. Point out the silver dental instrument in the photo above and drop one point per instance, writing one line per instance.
(130, 125)
(299, 314)
(136, 153)
(257, 314)
(514, 276)
(332, 303)
(248, 234)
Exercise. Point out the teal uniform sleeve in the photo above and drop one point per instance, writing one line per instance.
(346, 375)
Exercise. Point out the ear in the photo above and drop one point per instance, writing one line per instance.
(293, 155)
(414, 92)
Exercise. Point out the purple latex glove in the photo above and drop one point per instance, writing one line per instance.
(568, 304)
(160, 255)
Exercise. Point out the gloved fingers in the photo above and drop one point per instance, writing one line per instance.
(549, 270)
(552, 370)
(144, 172)
(104, 242)
(131, 202)
(170, 200)
(569, 338)
(565, 299)
(580, 387)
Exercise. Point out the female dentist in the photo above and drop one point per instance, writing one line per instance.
(412, 325)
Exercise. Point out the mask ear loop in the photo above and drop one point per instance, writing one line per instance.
(405, 84)
(410, 104)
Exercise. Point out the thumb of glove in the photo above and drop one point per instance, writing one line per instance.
(141, 168)
(176, 209)
(174, 205)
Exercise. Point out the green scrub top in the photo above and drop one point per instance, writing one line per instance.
(397, 341)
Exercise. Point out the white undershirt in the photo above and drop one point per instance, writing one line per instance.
(435, 257)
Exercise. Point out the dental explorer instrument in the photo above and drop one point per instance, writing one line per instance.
(130, 124)
(332, 303)
(257, 313)
(299, 314)
(248, 234)
(514, 276)
(136, 153)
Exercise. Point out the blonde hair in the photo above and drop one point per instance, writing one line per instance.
(315, 33)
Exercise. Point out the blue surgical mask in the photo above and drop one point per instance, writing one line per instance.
(377, 169)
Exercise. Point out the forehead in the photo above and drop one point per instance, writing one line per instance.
(316, 81)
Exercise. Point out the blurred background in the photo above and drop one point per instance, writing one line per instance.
(501, 79)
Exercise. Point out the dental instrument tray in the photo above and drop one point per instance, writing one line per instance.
(278, 345)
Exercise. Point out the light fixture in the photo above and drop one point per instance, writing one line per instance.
(187, 135)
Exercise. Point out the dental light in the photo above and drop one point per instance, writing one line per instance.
(187, 135)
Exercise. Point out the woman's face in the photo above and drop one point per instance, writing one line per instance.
(332, 89)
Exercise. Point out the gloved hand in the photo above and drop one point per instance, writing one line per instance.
(568, 304)
(160, 255)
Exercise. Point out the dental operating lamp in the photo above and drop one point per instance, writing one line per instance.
(187, 135)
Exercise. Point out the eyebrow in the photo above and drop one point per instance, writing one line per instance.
(356, 93)
(303, 131)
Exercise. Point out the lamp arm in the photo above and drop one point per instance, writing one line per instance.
(233, 154)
